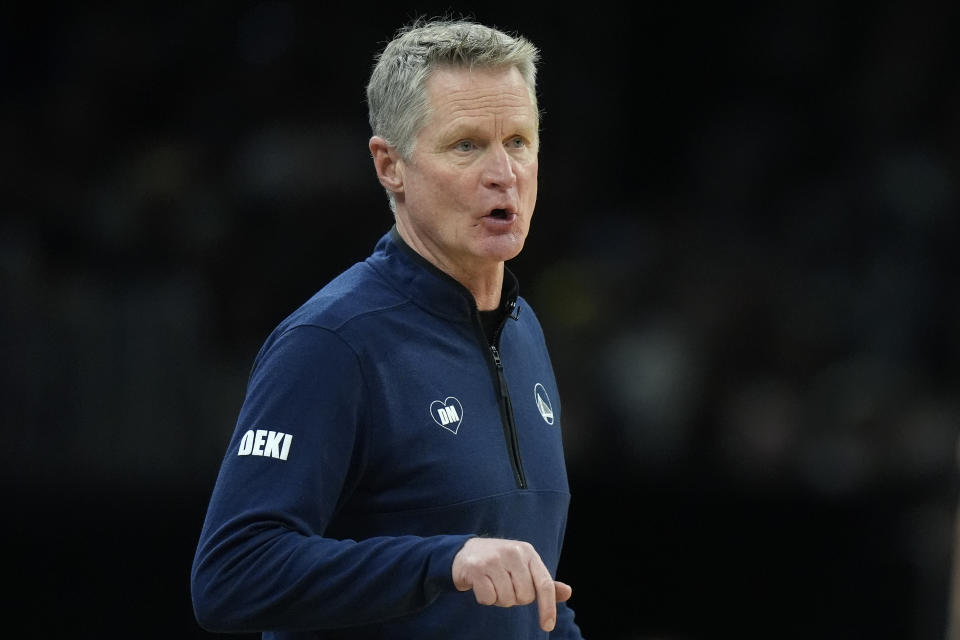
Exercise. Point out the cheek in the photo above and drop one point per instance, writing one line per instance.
(530, 174)
(530, 185)
(446, 185)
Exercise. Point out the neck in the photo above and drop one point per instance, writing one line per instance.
(483, 279)
(486, 291)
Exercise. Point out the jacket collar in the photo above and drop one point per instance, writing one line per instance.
(427, 286)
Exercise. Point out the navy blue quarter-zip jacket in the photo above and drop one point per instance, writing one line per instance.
(380, 430)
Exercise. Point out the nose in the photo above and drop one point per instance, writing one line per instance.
(498, 172)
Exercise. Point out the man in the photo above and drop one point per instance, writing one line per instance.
(397, 467)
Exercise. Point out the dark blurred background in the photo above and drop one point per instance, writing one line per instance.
(744, 258)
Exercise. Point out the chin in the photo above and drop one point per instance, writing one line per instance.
(501, 248)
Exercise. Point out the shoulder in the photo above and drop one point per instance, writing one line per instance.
(527, 317)
(317, 330)
(357, 292)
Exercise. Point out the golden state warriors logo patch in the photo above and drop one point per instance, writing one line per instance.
(543, 403)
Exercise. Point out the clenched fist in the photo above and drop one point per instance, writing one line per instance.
(507, 573)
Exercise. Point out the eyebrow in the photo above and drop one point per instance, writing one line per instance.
(464, 128)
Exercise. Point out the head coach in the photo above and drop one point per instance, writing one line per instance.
(397, 468)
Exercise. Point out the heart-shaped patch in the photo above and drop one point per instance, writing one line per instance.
(448, 414)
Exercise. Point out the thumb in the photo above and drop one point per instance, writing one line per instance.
(563, 590)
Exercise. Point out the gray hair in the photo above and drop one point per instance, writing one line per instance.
(396, 93)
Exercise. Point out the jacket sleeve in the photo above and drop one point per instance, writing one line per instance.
(262, 561)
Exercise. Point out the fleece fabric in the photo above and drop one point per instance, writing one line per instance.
(376, 436)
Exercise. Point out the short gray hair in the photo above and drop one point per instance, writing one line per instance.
(396, 93)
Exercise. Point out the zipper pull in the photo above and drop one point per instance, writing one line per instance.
(496, 358)
(501, 380)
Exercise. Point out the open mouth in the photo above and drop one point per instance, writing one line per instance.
(501, 219)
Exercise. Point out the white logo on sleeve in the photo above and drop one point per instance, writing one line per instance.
(543, 403)
(271, 444)
(448, 414)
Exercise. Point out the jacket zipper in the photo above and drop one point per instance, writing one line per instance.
(509, 423)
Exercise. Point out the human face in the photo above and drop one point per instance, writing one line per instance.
(470, 185)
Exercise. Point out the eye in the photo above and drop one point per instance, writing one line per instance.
(516, 142)
(464, 145)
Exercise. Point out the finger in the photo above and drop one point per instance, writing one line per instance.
(484, 591)
(523, 586)
(546, 594)
(563, 591)
(506, 597)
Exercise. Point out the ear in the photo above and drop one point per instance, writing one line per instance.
(388, 163)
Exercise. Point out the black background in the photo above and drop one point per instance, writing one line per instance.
(743, 258)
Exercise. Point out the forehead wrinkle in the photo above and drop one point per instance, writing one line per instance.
(455, 107)
(475, 122)
(516, 114)
(483, 102)
(483, 95)
(485, 107)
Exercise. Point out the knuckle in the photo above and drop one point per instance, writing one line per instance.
(545, 584)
